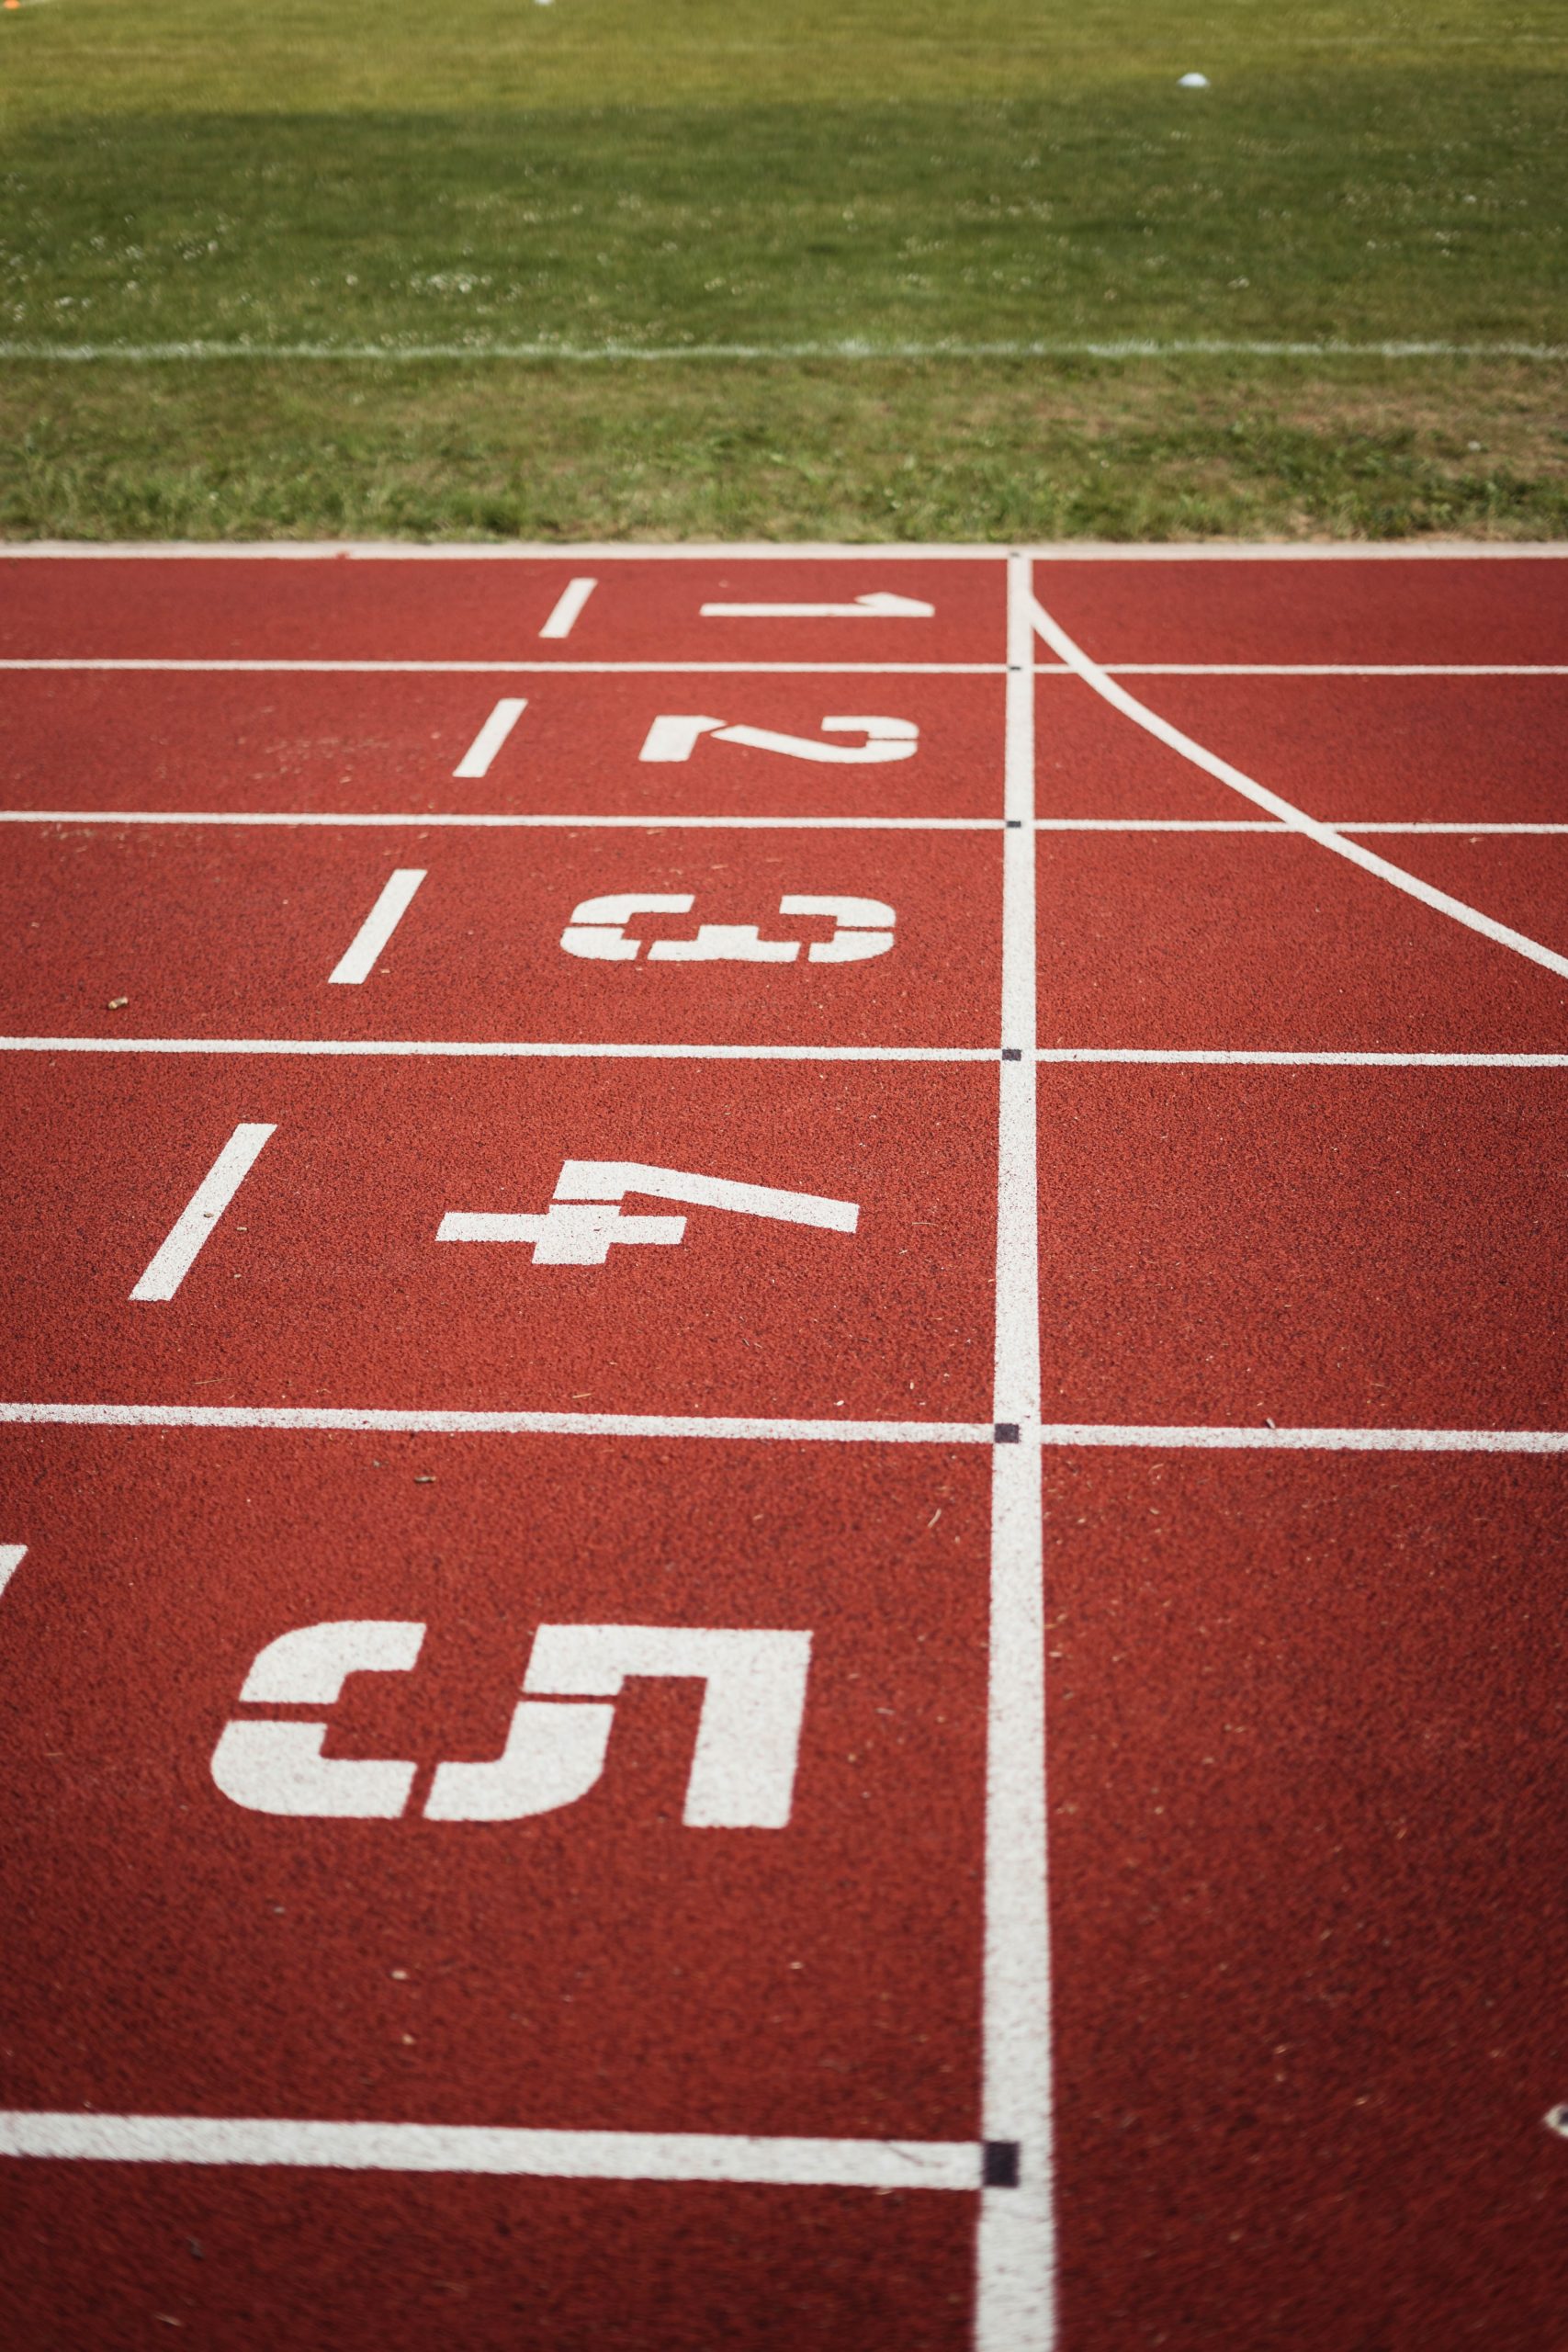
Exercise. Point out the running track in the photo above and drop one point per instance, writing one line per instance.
(618, 1917)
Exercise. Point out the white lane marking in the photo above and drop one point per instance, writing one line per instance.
(359, 957)
(1337, 669)
(774, 550)
(851, 348)
(196, 1221)
(11, 1559)
(1267, 825)
(597, 930)
(1070, 651)
(350, 1419)
(567, 607)
(1015, 2288)
(478, 2148)
(476, 761)
(479, 1424)
(880, 605)
(480, 1049)
(511, 668)
(504, 1049)
(1236, 1437)
(455, 818)
(1265, 1057)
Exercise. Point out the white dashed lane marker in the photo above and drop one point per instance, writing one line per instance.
(201, 1212)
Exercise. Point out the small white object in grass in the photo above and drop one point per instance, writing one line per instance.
(1194, 82)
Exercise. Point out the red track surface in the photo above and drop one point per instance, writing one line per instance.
(1303, 1636)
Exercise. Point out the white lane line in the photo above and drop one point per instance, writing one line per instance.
(629, 824)
(500, 1049)
(507, 1049)
(1269, 825)
(479, 2148)
(11, 1559)
(202, 1211)
(854, 349)
(1015, 2285)
(391, 1422)
(511, 668)
(1070, 651)
(475, 760)
(1220, 1056)
(355, 965)
(567, 607)
(374, 1421)
(1240, 1438)
(1336, 669)
(557, 552)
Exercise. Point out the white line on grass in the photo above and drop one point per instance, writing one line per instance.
(356, 963)
(196, 1221)
(476, 761)
(1068, 650)
(1016, 2255)
(391, 1423)
(479, 2148)
(846, 348)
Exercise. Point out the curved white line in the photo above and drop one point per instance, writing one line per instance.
(1068, 650)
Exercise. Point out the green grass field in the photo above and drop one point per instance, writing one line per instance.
(816, 217)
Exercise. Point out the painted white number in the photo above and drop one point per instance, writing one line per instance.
(743, 1763)
(583, 1221)
(598, 931)
(272, 1766)
(676, 735)
(880, 605)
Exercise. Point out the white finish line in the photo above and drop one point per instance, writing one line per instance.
(470, 2148)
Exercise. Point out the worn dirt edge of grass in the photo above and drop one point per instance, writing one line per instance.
(987, 450)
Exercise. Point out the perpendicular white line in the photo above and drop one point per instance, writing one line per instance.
(1015, 2282)
(460, 818)
(495, 1049)
(489, 2148)
(567, 607)
(475, 760)
(11, 1559)
(1267, 1057)
(1069, 651)
(196, 1221)
(356, 963)
(1245, 1439)
(390, 1422)
(511, 668)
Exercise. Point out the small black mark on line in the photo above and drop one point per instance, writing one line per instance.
(999, 2164)
(1012, 824)
(1012, 1053)
(1007, 1434)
